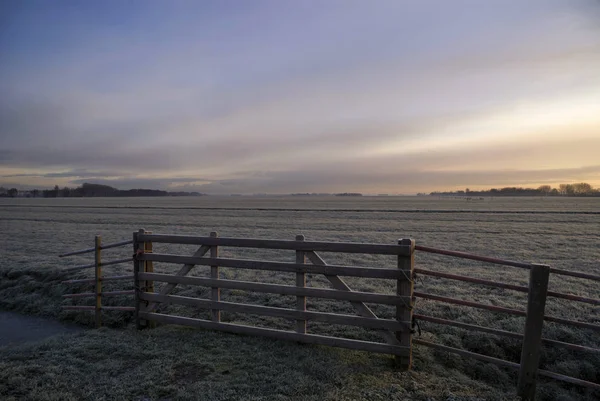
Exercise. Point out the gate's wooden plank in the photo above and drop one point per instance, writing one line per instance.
(352, 296)
(366, 272)
(185, 269)
(360, 307)
(333, 318)
(345, 247)
(278, 334)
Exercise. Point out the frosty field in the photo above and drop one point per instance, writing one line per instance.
(561, 232)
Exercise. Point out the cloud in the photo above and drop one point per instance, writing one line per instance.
(270, 97)
(65, 174)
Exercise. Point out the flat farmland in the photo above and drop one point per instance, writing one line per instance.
(561, 232)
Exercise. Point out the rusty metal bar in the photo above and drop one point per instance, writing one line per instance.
(471, 256)
(469, 303)
(472, 280)
(573, 297)
(575, 323)
(91, 280)
(505, 333)
(575, 274)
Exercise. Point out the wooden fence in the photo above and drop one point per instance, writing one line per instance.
(99, 279)
(535, 317)
(397, 333)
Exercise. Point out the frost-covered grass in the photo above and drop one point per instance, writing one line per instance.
(34, 231)
(170, 363)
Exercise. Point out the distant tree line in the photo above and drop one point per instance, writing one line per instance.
(578, 189)
(89, 190)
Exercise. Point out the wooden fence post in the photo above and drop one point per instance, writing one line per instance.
(300, 282)
(215, 294)
(404, 287)
(148, 264)
(138, 266)
(98, 277)
(532, 341)
(148, 268)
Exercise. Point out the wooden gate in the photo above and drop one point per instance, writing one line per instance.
(396, 333)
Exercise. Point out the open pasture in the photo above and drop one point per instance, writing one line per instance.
(561, 232)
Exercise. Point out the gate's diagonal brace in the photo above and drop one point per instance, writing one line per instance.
(185, 269)
(360, 307)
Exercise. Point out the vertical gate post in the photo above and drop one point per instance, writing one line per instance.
(300, 282)
(404, 288)
(148, 264)
(532, 341)
(215, 294)
(138, 266)
(148, 268)
(98, 277)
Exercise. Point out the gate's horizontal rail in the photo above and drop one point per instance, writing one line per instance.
(353, 296)
(278, 334)
(343, 247)
(332, 318)
(368, 272)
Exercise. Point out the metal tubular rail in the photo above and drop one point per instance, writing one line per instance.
(513, 287)
(466, 255)
(103, 264)
(471, 256)
(469, 303)
(504, 363)
(472, 280)
(92, 281)
(89, 250)
(499, 332)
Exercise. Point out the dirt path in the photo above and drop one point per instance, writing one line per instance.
(17, 329)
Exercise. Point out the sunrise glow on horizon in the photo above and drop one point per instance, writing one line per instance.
(322, 96)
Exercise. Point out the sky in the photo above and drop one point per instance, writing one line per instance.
(300, 96)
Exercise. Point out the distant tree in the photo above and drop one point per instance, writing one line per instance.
(565, 189)
(13, 192)
(582, 188)
(65, 192)
(35, 193)
(545, 189)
